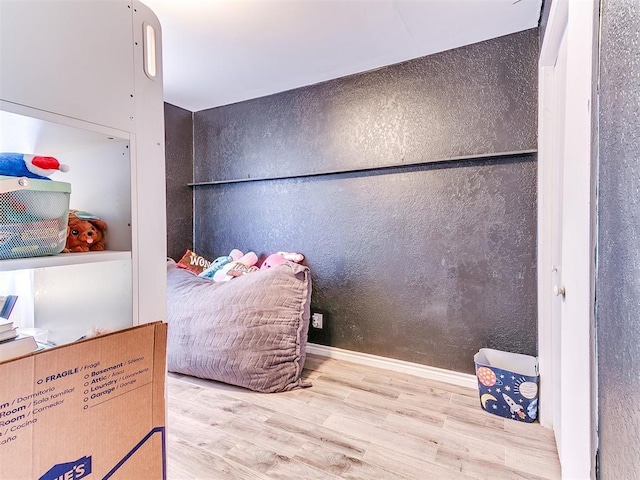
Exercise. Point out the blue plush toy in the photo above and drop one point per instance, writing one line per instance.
(32, 166)
(216, 265)
(220, 262)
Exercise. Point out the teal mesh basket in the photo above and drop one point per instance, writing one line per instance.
(33, 217)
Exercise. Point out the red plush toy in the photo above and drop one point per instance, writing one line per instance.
(85, 232)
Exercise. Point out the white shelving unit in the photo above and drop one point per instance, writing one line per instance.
(63, 259)
(73, 86)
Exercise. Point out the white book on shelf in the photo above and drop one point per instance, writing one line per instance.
(17, 347)
(5, 325)
(8, 334)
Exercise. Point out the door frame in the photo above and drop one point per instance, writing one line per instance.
(574, 420)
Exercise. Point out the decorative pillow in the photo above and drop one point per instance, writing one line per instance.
(193, 262)
(251, 331)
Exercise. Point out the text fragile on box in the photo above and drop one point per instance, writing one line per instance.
(93, 408)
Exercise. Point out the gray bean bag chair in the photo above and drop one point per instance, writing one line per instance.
(250, 331)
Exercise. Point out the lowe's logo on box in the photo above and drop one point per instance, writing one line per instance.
(69, 471)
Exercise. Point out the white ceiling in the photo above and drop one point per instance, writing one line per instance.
(217, 52)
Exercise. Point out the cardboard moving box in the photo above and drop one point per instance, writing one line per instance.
(90, 409)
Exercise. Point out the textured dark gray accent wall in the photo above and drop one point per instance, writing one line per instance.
(618, 262)
(425, 264)
(179, 170)
(472, 100)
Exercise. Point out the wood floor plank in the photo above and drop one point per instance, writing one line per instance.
(406, 386)
(471, 447)
(315, 400)
(534, 462)
(200, 434)
(189, 462)
(408, 383)
(262, 435)
(364, 399)
(383, 437)
(219, 408)
(319, 364)
(224, 387)
(325, 365)
(341, 465)
(465, 400)
(344, 443)
(465, 413)
(406, 466)
(534, 430)
(480, 469)
(282, 402)
(325, 386)
(309, 375)
(335, 367)
(272, 464)
(498, 436)
(335, 382)
(178, 385)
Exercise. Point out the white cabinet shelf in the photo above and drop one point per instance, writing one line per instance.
(27, 130)
(63, 259)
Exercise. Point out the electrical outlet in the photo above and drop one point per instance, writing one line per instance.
(316, 320)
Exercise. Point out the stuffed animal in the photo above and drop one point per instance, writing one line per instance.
(216, 265)
(280, 258)
(236, 268)
(220, 262)
(32, 166)
(85, 232)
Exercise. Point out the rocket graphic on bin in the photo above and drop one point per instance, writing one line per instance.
(513, 406)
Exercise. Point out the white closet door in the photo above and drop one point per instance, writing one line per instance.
(565, 246)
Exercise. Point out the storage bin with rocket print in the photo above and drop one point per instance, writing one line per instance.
(508, 384)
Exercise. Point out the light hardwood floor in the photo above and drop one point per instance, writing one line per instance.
(355, 422)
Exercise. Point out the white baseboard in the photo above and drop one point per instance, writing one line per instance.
(424, 371)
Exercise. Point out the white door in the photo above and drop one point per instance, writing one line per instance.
(559, 87)
(565, 247)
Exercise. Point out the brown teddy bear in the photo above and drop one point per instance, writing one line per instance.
(85, 232)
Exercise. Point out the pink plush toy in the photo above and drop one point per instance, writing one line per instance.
(236, 254)
(280, 258)
(244, 264)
